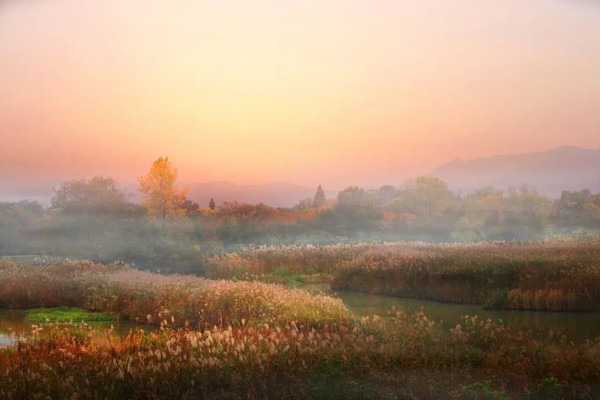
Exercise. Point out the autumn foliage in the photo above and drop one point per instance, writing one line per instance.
(162, 197)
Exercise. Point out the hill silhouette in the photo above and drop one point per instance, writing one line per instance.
(549, 172)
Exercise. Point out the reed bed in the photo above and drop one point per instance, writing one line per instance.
(251, 340)
(407, 356)
(550, 275)
(174, 300)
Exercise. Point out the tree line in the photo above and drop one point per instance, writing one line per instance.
(96, 219)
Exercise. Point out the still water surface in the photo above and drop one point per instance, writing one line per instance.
(576, 326)
(14, 326)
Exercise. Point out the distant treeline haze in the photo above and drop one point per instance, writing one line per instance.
(95, 219)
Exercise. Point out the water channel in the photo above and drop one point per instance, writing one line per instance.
(575, 326)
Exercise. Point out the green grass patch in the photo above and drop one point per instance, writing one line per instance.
(66, 314)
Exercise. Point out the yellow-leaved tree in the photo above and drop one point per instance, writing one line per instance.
(162, 197)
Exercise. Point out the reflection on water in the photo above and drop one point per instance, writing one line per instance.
(576, 326)
(14, 326)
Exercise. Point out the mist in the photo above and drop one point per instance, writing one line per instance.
(300, 199)
(96, 220)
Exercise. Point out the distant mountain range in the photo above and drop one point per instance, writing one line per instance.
(549, 172)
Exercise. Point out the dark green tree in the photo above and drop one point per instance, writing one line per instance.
(319, 200)
(526, 214)
(425, 197)
(385, 194)
(190, 207)
(577, 209)
(356, 210)
(355, 198)
(99, 195)
(211, 204)
(16, 221)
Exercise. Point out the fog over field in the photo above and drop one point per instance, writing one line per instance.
(300, 199)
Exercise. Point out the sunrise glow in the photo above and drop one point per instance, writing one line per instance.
(337, 92)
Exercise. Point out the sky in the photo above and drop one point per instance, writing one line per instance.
(335, 92)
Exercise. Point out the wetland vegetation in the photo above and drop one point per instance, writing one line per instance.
(248, 339)
(559, 275)
(321, 300)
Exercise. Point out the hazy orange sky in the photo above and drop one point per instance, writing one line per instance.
(337, 92)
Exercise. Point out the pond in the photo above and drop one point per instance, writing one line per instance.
(577, 326)
(13, 326)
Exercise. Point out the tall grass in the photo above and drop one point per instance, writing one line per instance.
(225, 339)
(173, 300)
(408, 356)
(554, 275)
